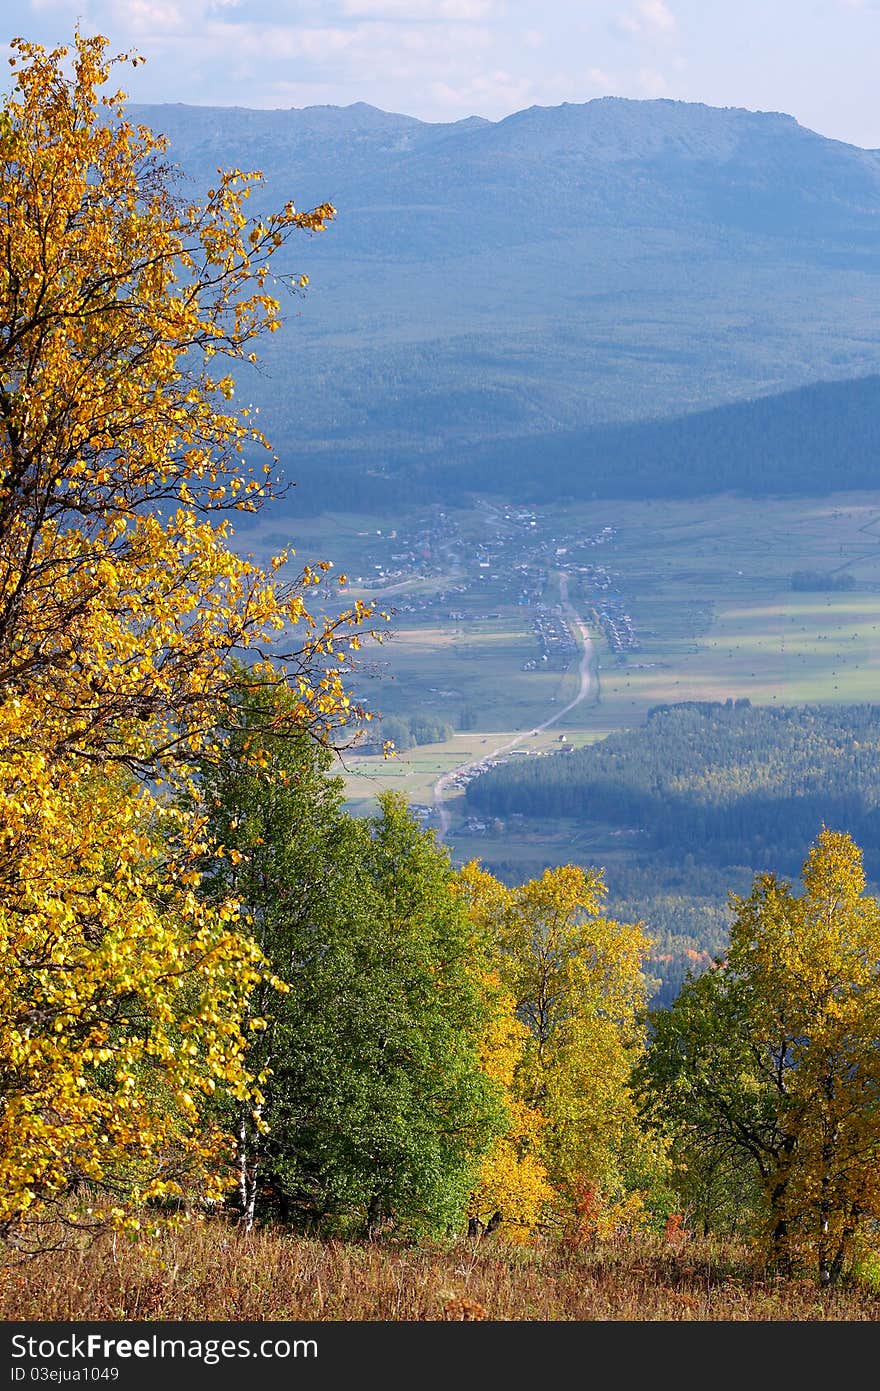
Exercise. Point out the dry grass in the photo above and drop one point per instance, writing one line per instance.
(213, 1271)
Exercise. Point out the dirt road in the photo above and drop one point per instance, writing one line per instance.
(587, 684)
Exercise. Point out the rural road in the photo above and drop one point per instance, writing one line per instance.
(586, 684)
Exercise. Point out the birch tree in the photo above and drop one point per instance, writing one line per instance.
(122, 458)
(773, 1057)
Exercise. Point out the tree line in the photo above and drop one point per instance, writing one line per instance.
(407, 731)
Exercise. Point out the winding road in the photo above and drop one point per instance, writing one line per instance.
(587, 683)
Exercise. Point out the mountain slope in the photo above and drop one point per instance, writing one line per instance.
(812, 440)
(562, 268)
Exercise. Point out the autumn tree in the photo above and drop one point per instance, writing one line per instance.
(512, 1192)
(773, 1056)
(122, 1002)
(122, 310)
(576, 979)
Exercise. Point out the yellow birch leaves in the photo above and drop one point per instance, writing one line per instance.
(121, 605)
(573, 981)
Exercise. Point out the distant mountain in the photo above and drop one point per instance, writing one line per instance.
(566, 267)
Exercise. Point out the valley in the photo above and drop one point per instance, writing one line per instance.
(491, 608)
(683, 600)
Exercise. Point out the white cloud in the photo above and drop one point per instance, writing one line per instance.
(600, 81)
(649, 18)
(409, 11)
(42, 6)
(306, 43)
(651, 82)
(657, 14)
(148, 17)
(283, 44)
(490, 94)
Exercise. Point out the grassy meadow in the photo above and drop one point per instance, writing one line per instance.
(213, 1271)
(712, 600)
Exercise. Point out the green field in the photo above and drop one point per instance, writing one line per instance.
(416, 770)
(706, 584)
(711, 596)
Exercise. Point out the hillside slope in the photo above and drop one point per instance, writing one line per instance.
(563, 267)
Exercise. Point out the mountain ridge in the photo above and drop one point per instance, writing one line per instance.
(562, 268)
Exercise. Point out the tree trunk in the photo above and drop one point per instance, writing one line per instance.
(781, 1253)
(826, 1261)
(375, 1214)
(248, 1170)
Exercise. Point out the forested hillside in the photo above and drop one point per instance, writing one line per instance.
(728, 783)
(797, 443)
(525, 280)
(794, 444)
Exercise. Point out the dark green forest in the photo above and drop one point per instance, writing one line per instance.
(794, 444)
(730, 783)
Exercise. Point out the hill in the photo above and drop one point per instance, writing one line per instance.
(805, 442)
(563, 268)
(728, 782)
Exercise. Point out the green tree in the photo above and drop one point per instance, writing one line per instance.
(375, 1107)
(773, 1057)
(701, 1085)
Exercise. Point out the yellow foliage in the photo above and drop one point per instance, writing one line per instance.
(120, 1004)
(121, 604)
(576, 984)
(512, 1191)
(120, 598)
(810, 964)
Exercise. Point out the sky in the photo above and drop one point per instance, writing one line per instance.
(441, 60)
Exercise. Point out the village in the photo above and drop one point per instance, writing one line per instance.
(512, 561)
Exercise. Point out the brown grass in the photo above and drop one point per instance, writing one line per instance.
(212, 1271)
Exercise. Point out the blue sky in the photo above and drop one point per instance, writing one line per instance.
(444, 59)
